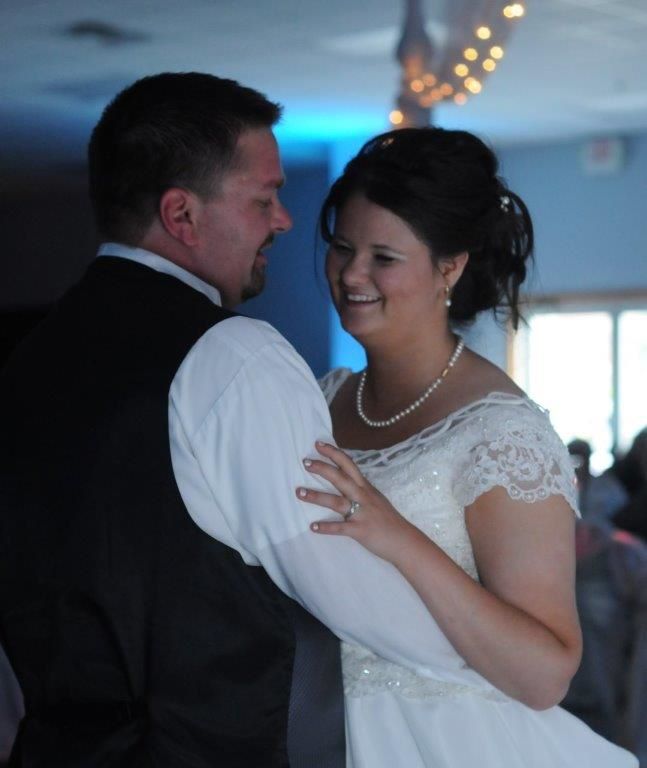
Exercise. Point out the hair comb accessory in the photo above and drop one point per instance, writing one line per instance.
(504, 203)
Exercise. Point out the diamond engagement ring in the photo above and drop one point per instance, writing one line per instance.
(354, 506)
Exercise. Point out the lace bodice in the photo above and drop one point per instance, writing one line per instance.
(500, 440)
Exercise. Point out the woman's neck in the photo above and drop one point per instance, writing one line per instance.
(398, 375)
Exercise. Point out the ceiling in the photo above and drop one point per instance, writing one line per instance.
(572, 67)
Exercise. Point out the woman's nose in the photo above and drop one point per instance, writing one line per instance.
(355, 271)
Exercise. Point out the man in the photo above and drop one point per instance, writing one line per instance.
(155, 561)
(120, 616)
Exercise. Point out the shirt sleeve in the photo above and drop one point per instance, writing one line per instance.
(246, 452)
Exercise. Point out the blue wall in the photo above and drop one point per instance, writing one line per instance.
(344, 350)
(591, 230)
(295, 299)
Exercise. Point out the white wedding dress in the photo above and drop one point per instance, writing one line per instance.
(451, 717)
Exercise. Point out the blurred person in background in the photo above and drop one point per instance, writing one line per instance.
(609, 691)
(600, 497)
(11, 707)
(631, 471)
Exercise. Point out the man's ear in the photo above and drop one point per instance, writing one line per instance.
(452, 267)
(178, 212)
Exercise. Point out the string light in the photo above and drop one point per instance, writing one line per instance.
(479, 57)
(514, 11)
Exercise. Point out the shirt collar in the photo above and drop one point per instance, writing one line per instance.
(160, 264)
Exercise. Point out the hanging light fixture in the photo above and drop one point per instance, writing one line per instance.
(477, 31)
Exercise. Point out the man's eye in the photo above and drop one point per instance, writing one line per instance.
(384, 259)
(264, 203)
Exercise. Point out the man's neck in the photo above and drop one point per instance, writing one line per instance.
(161, 263)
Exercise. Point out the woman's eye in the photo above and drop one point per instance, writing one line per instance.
(264, 203)
(382, 258)
(341, 248)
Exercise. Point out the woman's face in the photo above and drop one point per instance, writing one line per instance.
(383, 282)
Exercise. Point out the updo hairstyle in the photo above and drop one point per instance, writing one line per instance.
(444, 185)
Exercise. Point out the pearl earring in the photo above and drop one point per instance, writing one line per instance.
(448, 299)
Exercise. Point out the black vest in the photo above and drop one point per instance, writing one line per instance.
(138, 640)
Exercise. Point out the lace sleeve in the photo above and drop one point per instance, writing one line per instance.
(331, 381)
(515, 447)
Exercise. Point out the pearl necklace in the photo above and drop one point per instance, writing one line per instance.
(416, 403)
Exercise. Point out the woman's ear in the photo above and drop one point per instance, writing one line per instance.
(452, 267)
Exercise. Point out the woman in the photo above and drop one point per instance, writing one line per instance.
(450, 472)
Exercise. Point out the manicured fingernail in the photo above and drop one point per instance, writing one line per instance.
(320, 443)
(303, 493)
(307, 462)
(315, 526)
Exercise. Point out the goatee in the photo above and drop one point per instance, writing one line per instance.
(255, 285)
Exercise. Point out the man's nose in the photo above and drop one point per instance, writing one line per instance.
(282, 218)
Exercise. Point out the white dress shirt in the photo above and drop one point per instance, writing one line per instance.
(244, 411)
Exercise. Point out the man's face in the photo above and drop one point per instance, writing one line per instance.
(237, 225)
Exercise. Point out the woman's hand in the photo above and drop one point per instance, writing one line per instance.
(367, 515)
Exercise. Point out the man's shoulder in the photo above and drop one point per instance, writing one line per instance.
(248, 335)
(239, 354)
(240, 344)
(243, 342)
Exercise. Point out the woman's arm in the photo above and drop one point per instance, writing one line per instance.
(518, 627)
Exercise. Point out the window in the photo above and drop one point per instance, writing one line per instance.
(585, 359)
